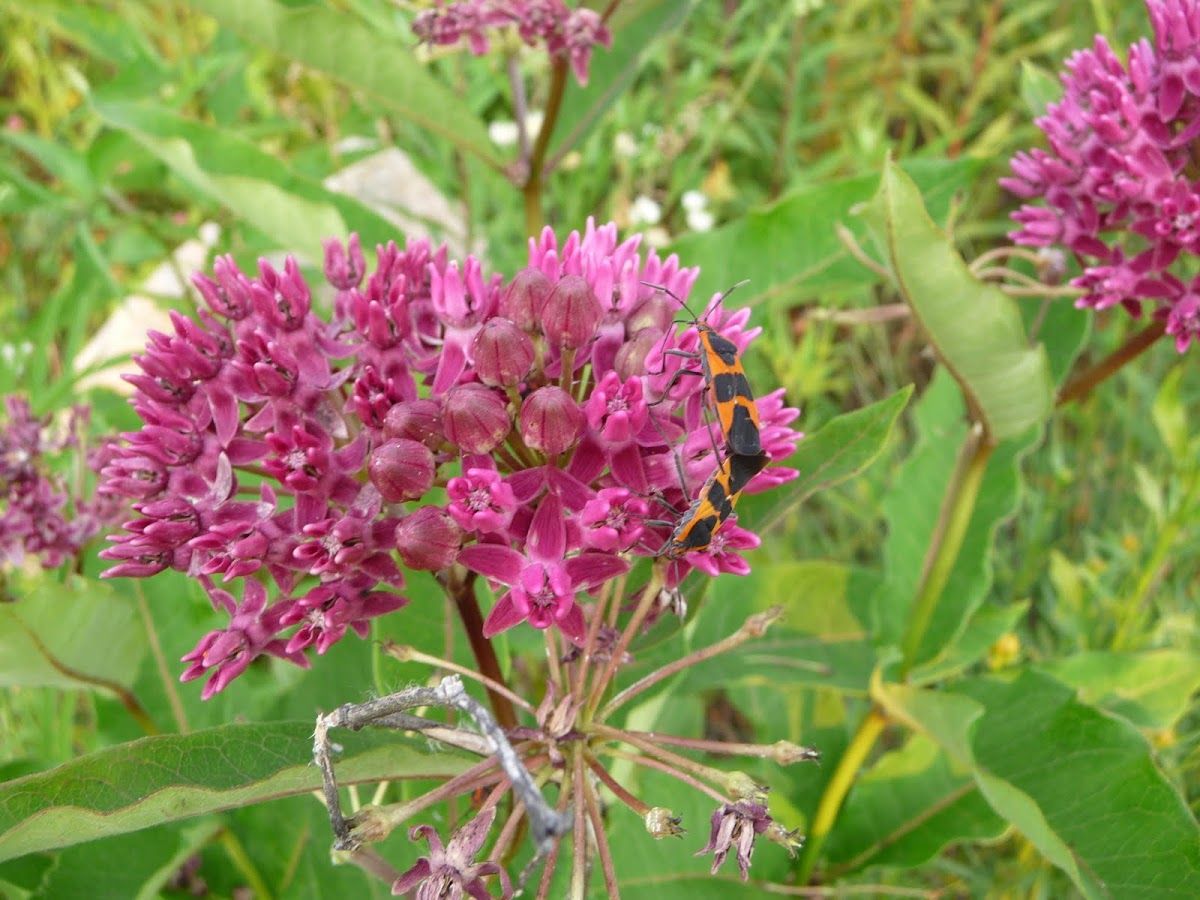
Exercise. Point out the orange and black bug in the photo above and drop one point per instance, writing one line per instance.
(732, 398)
(714, 505)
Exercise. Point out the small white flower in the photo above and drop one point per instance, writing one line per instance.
(533, 123)
(625, 145)
(503, 133)
(657, 236)
(571, 161)
(644, 211)
(694, 201)
(700, 220)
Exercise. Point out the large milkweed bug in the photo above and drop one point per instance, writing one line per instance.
(732, 398)
(714, 504)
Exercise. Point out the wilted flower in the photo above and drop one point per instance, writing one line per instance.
(1117, 181)
(450, 872)
(734, 827)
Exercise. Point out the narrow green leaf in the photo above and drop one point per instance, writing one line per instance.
(165, 779)
(793, 241)
(77, 635)
(1095, 781)
(841, 449)
(1152, 689)
(975, 327)
(382, 65)
(295, 211)
(635, 27)
(58, 159)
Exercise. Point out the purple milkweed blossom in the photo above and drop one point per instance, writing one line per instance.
(304, 452)
(38, 517)
(1117, 182)
(564, 32)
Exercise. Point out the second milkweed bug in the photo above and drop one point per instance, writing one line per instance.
(714, 505)
(732, 398)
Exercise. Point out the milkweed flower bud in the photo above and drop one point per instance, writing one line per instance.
(475, 418)
(525, 298)
(344, 265)
(401, 470)
(571, 313)
(551, 420)
(631, 358)
(428, 540)
(416, 420)
(503, 353)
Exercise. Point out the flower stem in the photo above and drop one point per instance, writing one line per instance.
(837, 789)
(467, 603)
(1081, 385)
(649, 592)
(957, 508)
(532, 189)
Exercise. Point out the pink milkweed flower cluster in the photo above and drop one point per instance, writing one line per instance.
(562, 31)
(38, 517)
(1118, 180)
(531, 431)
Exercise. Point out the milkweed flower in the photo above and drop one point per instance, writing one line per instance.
(435, 416)
(550, 24)
(1116, 183)
(40, 519)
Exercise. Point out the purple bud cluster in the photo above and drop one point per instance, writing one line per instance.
(528, 431)
(1118, 183)
(562, 31)
(38, 517)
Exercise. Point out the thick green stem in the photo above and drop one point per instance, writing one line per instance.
(532, 189)
(837, 789)
(957, 508)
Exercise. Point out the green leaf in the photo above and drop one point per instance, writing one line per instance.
(57, 159)
(382, 65)
(841, 449)
(77, 635)
(635, 26)
(948, 719)
(975, 328)
(295, 211)
(1094, 780)
(1152, 689)
(912, 804)
(986, 626)
(793, 241)
(912, 508)
(165, 779)
(821, 640)
(1039, 88)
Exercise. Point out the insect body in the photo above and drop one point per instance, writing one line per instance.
(714, 505)
(728, 388)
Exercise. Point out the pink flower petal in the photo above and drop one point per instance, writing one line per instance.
(493, 561)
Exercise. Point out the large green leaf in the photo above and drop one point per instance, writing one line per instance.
(165, 779)
(635, 26)
(74, 635)
(1081, 785)
(841, 449)
(793, 241)
(912, 804)
(975, 328)
(948, 719)
(295, 211)
(382, 65)
(1152, 689)
(986, 626)
(912, 508)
